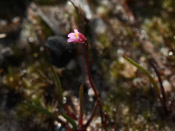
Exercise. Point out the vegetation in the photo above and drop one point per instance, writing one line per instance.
(122, 79)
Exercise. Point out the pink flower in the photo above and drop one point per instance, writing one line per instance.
(76, 37)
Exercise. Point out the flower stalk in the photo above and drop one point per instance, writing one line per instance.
(91, 82)
(78, 37)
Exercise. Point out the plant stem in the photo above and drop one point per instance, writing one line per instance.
(163, 98)
(92, 84)
(92, 115)
(81, 106)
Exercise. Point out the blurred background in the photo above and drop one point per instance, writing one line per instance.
(33, 37)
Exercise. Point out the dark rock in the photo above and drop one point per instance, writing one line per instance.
(60, 51)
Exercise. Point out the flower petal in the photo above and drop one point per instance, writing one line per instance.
(71, 35)
(70, 40)
(76, 31)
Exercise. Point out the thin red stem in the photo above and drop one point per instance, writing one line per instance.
(163, 98)
(89, 72)
(92, 84)
(92, 115)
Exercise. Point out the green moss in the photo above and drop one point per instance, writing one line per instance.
(103, 38)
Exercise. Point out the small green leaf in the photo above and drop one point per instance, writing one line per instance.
(144, 71)
(41, 109)
(70, 120)
(58, 83)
